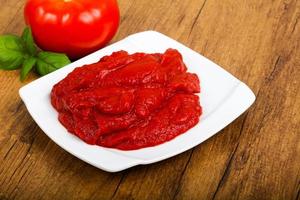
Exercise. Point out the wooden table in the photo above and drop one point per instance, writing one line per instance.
(256, 157)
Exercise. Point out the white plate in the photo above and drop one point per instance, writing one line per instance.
(223, 98)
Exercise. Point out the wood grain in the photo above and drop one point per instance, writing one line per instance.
(256, 157)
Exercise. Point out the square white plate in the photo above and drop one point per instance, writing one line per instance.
(223, 98)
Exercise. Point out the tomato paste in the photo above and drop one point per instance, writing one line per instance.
(129, 101)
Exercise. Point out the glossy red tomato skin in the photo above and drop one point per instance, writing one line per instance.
(74, 27)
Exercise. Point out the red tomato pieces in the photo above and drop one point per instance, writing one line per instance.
(129, 101)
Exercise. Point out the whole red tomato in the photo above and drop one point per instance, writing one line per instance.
(74, 27)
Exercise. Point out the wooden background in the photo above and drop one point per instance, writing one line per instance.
(256, 157)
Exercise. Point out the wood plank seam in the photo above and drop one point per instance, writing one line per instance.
(118, 186)
(17, 185)
(197, 17)
(229, 162)
(295, 25)
(124, 177)
(29, 169)
(23, 162)
(272, 74)
(298, 194)
(182, 173)
(11, 147)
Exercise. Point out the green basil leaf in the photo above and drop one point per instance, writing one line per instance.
(28, 41)
(12, 52)
(27, 67)
(48, 62)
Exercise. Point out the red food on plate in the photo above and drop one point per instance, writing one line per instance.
(128, 101)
